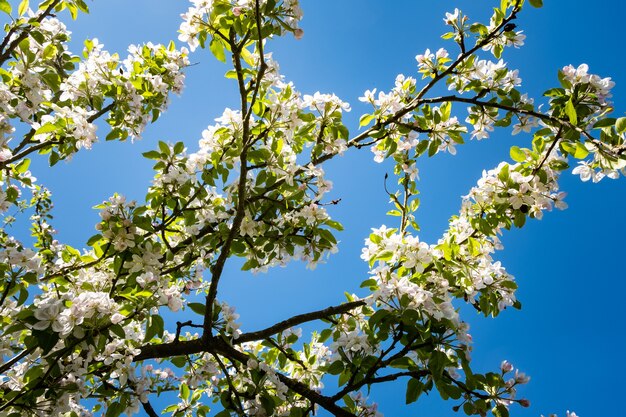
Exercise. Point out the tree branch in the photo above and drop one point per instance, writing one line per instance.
(5, 367)
(216, 270)
(147, 407)
(545, 117)
(168, 350)
(299, 319)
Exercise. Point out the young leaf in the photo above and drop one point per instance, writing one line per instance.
(217, 49)
(5, 6)
(23, 7)
(517, 154)
(570, 111)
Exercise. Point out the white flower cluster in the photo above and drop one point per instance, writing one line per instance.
(116, 226)
(17, 257)
(324, 103)
(350, 339)
(101, 74)
(390, 103)
(504, 194)
(293, 129)
(593, 92)
(196, 20)
(229, 317)
(593, 170)
(505, 39)
(23, 96)
(25, 88)
(484, 75)
(483, 118)
(599, 89)
(430, 64)
(401, 281)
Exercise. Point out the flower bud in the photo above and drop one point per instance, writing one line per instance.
(298, 33)
(506, 366)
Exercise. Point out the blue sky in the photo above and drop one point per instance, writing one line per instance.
(569, 336)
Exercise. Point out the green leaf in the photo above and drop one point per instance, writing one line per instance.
(577, 149)
(197, 308)
(47, 128)
(344, 377)
(501, 410)
(368, 283)
(324, 335)
(570, 111)
(45, 340)
(620, 125)
(23, 7)
(536, 3)
(366, 119)
(335, 368)
(334, 224)
(94, 239)
(581, 151)
(152, 155)
(558, 165)
(402, 363)
(179, 361)
(5, 6)
(155, 327)
(22, 167)
(114, 410)
(184, 391)
(517, 154)
(217, 49)
(554, 92)
(413, 390)
(469, 408)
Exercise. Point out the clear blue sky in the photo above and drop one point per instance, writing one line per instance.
(570, 336)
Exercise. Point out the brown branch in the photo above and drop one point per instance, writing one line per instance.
(299, 319)
(217, 269)
(466, 389)
(147, 407)
(545, 117)
(392, 377)
(231, 386)
(549, 151)
(168, 350)
(5, 367)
